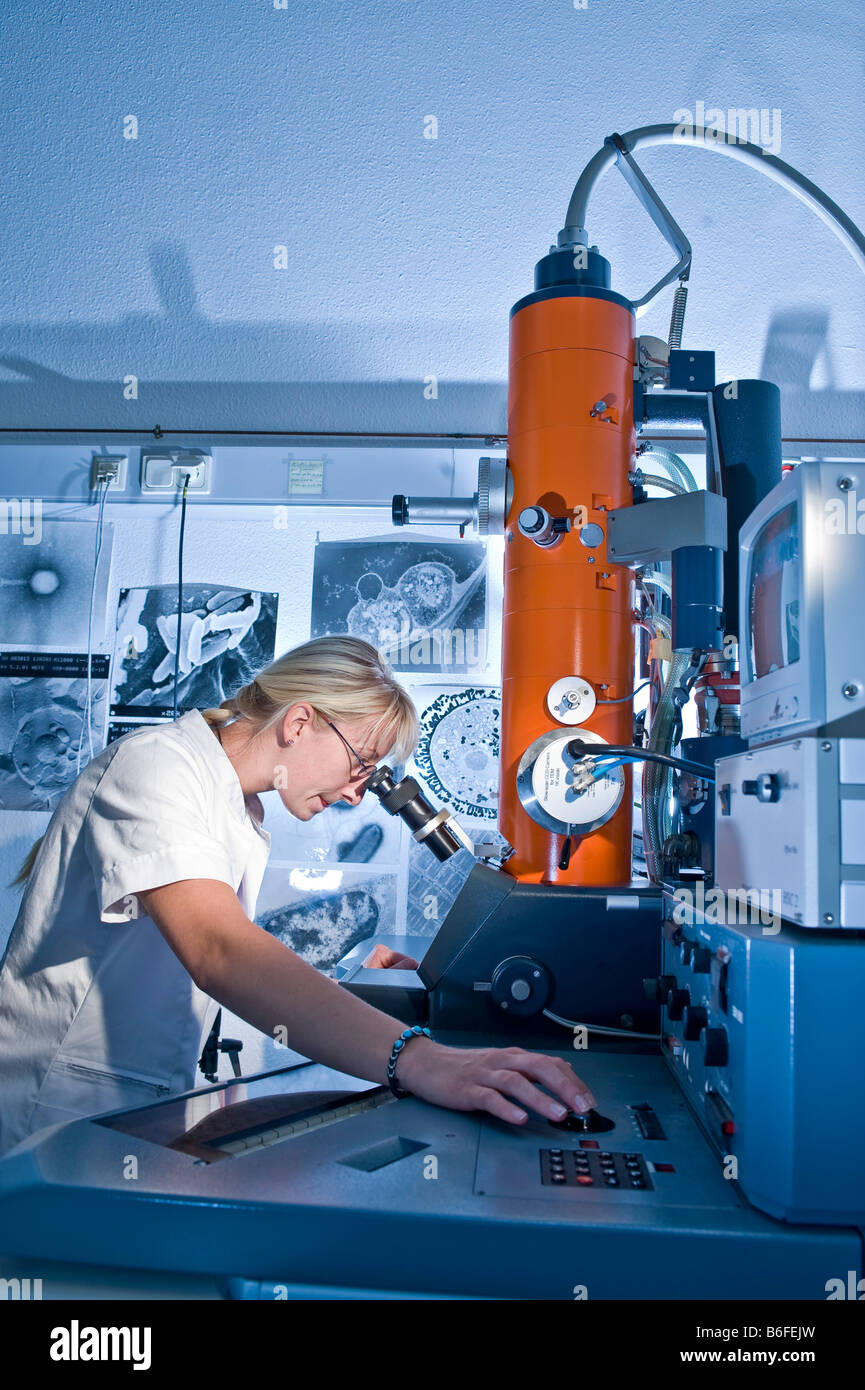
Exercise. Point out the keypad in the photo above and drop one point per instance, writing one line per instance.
(602, 1169)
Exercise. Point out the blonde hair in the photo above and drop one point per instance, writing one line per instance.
(27, 867)
(343, 678)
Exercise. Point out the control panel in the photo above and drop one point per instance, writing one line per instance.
(754, 1016)
(793, 816)
(268, 1179)
(578, 1168)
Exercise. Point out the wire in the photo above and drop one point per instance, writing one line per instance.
(103, 486)
(621, 698)
(602, 768)
(742, 150)
(597, 1028)
(640, 755)
(180, 589)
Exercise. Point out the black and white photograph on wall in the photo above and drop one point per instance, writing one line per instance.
(120, 727)
(456, 763)
(226, 636)
(457, 755)
(433, 886)
(47, 578)
(46, 736)
(342, 834)
(323, 913)
(422, 603)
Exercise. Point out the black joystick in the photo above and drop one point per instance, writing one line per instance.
(589, 1123)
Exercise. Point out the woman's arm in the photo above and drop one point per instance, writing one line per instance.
(261, 980)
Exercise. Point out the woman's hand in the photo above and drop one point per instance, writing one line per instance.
(382, 957)
(486, 1079)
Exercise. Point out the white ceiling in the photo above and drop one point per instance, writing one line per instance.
(303, 126)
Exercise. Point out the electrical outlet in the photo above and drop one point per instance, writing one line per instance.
(110, 468)
(167, 471)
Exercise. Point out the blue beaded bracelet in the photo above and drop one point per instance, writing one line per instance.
(405, 1036)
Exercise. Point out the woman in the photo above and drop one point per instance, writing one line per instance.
(136, 922)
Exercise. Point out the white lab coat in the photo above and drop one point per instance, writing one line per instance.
(96, 1010)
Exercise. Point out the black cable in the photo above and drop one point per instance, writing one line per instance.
(180, 589)
(578, 749)
(625, 697)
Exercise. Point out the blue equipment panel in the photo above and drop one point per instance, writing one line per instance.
(757, 1017)
(249, 1182)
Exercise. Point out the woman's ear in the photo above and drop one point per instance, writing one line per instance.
(285, 730)
(293, 722)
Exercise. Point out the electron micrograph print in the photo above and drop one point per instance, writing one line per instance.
(421, 603)
(458, 753)
(433, 887)
(343, 834)
(128, 726)
(323, 913)
(44, 738)
(46, 577)
(226, 636)
(457, 763)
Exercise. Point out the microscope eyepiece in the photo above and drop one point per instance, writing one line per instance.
(405, 799)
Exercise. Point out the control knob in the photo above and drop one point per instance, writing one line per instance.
(696, 1019)
(715, 1047)
(659, 987)
(677, 1002)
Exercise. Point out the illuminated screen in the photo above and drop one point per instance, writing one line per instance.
(773, 613)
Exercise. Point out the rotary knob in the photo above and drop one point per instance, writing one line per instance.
(659, 987)
(520, 985)
(677, 1002)
(701, 960)
(696, 1019)
(715, 1047)
(766, 787)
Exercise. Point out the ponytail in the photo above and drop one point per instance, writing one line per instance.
(26, 868)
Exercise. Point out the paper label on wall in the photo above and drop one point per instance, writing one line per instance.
(306, 476)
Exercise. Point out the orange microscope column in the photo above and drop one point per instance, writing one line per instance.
(566, 610)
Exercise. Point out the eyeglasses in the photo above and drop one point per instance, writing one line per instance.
(364, 769)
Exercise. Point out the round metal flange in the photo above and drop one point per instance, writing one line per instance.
(571, 700)
(545, 787)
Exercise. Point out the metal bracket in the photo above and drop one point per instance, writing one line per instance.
(659, 213)
(649, 533)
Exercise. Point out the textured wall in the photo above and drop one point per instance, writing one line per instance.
(303, 126)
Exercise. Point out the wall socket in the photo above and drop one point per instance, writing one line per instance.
(110, 468)
(166, 470)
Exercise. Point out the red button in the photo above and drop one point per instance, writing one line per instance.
(589, 1144)
(585, 1181)
(728, 1127)
(664, 1168)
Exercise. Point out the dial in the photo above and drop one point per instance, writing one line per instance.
(677, 1002)
(696, 1019)
(715, 1047)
